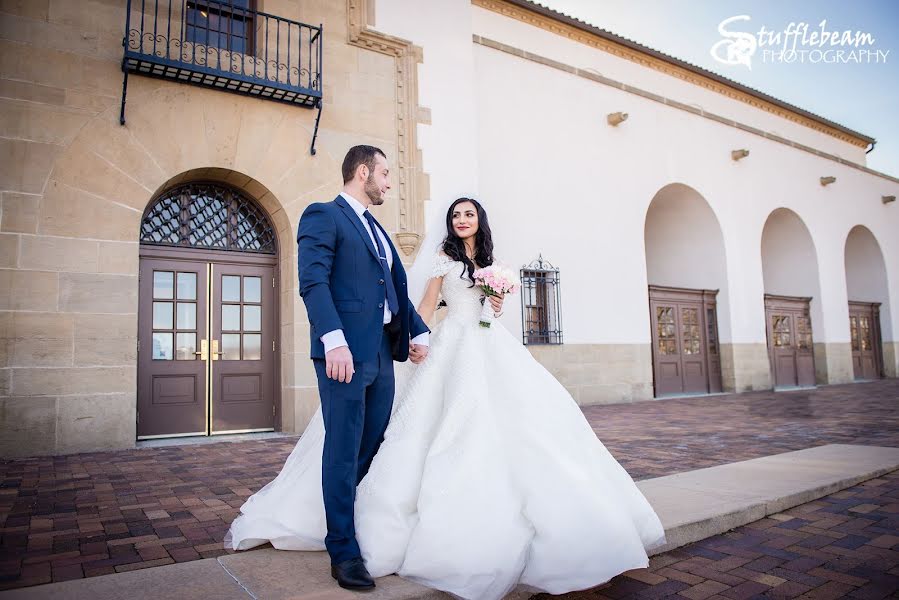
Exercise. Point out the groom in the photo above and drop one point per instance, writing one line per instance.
(361, 320)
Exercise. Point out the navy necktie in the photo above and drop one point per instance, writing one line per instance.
(392, 301)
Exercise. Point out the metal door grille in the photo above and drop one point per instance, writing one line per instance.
(208, 215)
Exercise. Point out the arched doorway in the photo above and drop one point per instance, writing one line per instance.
(866, 288)
(792, 299)
(685, 268)
(208, 314)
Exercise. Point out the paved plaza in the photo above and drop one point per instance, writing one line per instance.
(845, 545)
(70, 517)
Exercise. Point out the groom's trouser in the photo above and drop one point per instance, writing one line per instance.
(355, 415)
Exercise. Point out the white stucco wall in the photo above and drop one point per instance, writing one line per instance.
(790, 263)
(558, 180)
(684, 247)
(866, 277)
(539, 41)
(445, 86)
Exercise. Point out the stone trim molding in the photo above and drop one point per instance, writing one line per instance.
(413, 181)
(647, 60)
(587, 74)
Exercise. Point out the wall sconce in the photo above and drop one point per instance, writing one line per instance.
(738, 154)
(827, 180)
(887, 199)
(617, 118)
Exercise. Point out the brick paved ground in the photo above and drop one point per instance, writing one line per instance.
(652, 439)
(842, 546)
(92, 514)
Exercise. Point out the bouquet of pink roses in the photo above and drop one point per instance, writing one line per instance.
(494, 280)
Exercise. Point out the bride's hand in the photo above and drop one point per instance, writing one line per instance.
(497, 302)
(417, 353)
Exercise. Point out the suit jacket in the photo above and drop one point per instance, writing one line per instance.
(342, 284)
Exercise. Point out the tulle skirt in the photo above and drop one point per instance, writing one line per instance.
(489, 477)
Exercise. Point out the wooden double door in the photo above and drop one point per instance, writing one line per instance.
(685, 349)
(791, 349)
(864, 330)
(207, 326)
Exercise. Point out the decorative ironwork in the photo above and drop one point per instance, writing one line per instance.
(208, 215)
(541, 303)
(227, 45)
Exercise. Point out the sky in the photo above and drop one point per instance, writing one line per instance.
(863, 96)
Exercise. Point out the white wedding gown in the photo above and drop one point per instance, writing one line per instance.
(489, 475)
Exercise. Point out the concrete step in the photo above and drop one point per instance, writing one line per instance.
(692, 506)
(696, 505)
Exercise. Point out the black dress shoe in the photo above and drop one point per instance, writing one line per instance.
(352, 575)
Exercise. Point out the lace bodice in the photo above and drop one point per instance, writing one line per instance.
(462, 300)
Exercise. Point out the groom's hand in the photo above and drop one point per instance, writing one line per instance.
(339, 364)
(417, 352)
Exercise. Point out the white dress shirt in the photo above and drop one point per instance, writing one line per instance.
(336, 339)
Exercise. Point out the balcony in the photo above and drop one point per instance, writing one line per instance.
(226, 45)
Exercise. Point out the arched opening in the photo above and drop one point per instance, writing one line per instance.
(208, 311)
(687, 275)
(869, 302)
(792, 300)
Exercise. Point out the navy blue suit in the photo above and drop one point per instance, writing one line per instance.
(342, 284)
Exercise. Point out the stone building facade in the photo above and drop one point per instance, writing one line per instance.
(665, 242)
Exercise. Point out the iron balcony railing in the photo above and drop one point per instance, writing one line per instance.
(226, 45)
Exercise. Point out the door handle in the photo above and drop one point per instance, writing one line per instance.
(204, 349)
(215, 350)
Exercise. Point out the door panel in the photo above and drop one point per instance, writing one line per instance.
(854, 344)
(805, 360)
(171, 326)
(671, 369)
(866, 352)
(206, 345)
(242, 340)
(666, 351)
(780, 325)
(864, 323)
(790, 344)
(695, 379)
(684, 341)
(713, 351)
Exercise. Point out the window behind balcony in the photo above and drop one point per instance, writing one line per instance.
(225, 24)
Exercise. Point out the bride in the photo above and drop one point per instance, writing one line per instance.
(489, 476)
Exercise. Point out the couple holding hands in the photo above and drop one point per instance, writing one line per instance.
(469, 468)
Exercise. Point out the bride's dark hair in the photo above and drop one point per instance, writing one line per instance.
(454, 247)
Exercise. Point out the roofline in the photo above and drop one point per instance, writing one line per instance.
(608, 35)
